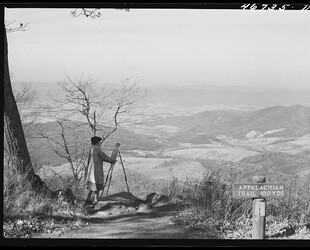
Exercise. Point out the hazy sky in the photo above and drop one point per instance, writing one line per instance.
(173, 46)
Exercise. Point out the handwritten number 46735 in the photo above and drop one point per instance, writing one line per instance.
(269, 7)
(264, 6)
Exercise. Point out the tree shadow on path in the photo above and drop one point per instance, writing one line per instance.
(154, 212)
(122, 217)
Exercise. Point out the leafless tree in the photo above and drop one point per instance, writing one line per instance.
(72, 149)
(13, 130)
(107, 107)
(103, 110)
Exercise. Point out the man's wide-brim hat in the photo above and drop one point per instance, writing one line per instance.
(95, 139)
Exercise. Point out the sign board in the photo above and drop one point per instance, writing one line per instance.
(259, 190)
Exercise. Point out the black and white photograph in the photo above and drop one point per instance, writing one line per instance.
(171, 124)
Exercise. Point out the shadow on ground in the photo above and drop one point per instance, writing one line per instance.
(154, 212)
(122, 216)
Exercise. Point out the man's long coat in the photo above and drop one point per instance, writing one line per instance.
(94, 170)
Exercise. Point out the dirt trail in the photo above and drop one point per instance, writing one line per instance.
(121, 217)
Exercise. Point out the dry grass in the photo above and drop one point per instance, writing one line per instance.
(213, 209)
(27, 214)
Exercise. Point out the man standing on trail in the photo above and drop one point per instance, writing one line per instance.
(94, 169)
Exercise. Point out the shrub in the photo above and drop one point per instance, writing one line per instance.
(22, 228)
(26, 213)
(212, 208)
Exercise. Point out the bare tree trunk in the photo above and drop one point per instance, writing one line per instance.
(14, 134)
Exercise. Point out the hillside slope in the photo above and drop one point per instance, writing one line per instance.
(79, 139)
(291, 121)
(280, 162)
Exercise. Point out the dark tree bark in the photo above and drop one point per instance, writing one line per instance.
(13, 130)
(15, 138)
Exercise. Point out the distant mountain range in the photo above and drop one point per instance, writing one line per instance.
(287, 113)
(291, 121)
(198, 94)
(227, 95)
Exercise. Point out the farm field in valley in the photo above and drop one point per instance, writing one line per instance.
(182, 160)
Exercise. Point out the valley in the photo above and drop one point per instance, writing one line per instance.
(183, 132)
(231, 142)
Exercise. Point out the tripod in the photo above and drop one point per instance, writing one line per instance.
(114, 154)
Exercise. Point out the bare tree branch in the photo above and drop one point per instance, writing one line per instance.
(69, 150)
(22, 27)
(93, 13)
(95, 107)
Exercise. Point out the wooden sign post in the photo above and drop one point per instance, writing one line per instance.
(259, 191)
(259, 213)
